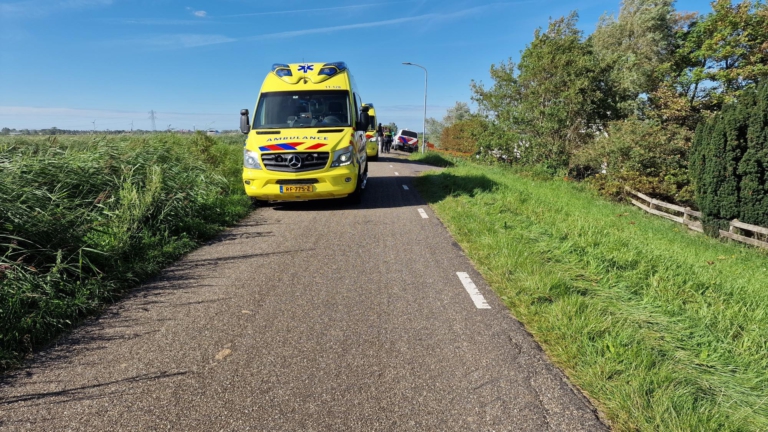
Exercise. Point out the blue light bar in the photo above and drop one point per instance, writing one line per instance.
(331, 69)
(282, 70)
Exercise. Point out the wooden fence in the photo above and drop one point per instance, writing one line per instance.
(692, 219)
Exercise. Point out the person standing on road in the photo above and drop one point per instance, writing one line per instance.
(380, 137)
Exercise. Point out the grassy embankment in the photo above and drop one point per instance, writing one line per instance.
(664, 329)
(84, 218)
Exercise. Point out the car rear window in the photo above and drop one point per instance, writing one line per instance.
(409, 134)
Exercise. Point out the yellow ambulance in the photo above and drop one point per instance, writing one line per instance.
(372, 140)
(306, 138)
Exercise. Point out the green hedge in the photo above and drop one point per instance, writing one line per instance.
(729, 162)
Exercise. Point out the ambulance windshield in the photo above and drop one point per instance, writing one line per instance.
(302, 109)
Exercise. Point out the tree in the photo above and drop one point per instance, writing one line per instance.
(464, 135)
(642, 154)
(557, 101)
(635, 46)
(723, 53)
(460, 111)
(434, 130)
(730, 159)
(5, 131)
(753, 167)
(457, 113)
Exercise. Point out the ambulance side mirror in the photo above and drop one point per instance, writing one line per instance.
(365, 118)
(245, 126)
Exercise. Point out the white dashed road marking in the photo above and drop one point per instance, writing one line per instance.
(391, 166)
(423, 214)
(471, 288)
(405, 187)
(397, 173)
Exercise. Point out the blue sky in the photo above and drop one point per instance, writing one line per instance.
(68, 63)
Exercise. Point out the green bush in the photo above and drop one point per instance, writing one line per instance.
(83, 218)
(644, 155)
(463, 135)
(729, 162)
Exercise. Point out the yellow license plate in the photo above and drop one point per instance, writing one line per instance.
(295, 189)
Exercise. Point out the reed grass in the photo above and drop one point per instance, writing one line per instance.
(84, 218)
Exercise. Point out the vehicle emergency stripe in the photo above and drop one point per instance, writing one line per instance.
(281, 146)
(290, 146)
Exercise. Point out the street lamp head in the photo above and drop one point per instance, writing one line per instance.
(407, 63)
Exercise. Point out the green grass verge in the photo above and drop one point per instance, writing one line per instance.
(84, 218)
(434, 158)
(664, 329)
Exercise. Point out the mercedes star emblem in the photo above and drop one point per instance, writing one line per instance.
(294, 161)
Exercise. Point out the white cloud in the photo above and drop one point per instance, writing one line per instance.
(295, 33)
(184, 40)
(177, 41)
(160, 22)
(297, 11)
(430, 17)
(198, 13)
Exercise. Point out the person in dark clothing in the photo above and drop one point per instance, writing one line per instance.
(380, 137)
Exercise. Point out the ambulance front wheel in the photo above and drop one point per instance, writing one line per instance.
(259, 202)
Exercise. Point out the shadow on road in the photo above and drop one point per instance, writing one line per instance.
(80, 393)
(438, 187)
(380, 193)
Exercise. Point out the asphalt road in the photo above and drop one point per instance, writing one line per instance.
(307, 316)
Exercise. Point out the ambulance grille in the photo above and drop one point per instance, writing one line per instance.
(295, 161)
(298, 181)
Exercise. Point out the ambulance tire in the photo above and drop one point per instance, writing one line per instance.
(356, 197)
(259, 203)
(375, 158)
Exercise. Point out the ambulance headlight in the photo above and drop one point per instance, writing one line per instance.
(251, 159)
(343, 156)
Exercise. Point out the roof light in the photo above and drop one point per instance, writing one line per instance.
(331, 69)
(282, 70)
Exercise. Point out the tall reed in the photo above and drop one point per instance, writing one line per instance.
(83, 218)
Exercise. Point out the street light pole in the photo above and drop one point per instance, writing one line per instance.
(424, 124)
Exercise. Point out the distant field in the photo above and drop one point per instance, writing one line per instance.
(664, 329)
(82, 218)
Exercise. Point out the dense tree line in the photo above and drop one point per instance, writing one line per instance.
(729, 162)
(619, 106)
